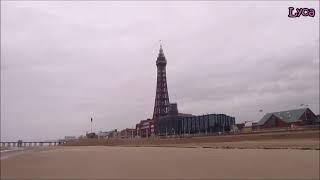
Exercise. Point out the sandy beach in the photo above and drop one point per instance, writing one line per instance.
(88, 162)
(308, 139)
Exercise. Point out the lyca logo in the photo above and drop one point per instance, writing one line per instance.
(293, 13)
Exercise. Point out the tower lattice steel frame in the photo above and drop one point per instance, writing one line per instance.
(161, 104)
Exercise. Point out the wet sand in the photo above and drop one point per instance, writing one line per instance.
(8, 152)
(14, 151)
(162, 163)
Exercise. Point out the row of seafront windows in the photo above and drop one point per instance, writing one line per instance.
(204, 122)
(195, 124)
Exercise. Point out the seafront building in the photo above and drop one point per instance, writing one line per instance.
(289, 118)
(182, 124)
(128, 133)
(145, 128)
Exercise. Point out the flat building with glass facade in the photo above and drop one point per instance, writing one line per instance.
(177, 123)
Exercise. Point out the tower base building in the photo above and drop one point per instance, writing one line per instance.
(176, 123)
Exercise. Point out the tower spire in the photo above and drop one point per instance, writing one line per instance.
(161, 105)
(161, 58)
(161, 50)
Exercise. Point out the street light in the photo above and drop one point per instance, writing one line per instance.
(91, 124)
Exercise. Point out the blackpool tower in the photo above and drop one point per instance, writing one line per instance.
(161, 104)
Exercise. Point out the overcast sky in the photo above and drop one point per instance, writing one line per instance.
(63, 62)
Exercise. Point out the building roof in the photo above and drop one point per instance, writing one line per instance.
(185, 115)
(288, 116)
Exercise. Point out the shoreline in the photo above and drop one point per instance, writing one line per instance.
(15, 151)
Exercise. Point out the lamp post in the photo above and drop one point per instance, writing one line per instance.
(91, 124)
